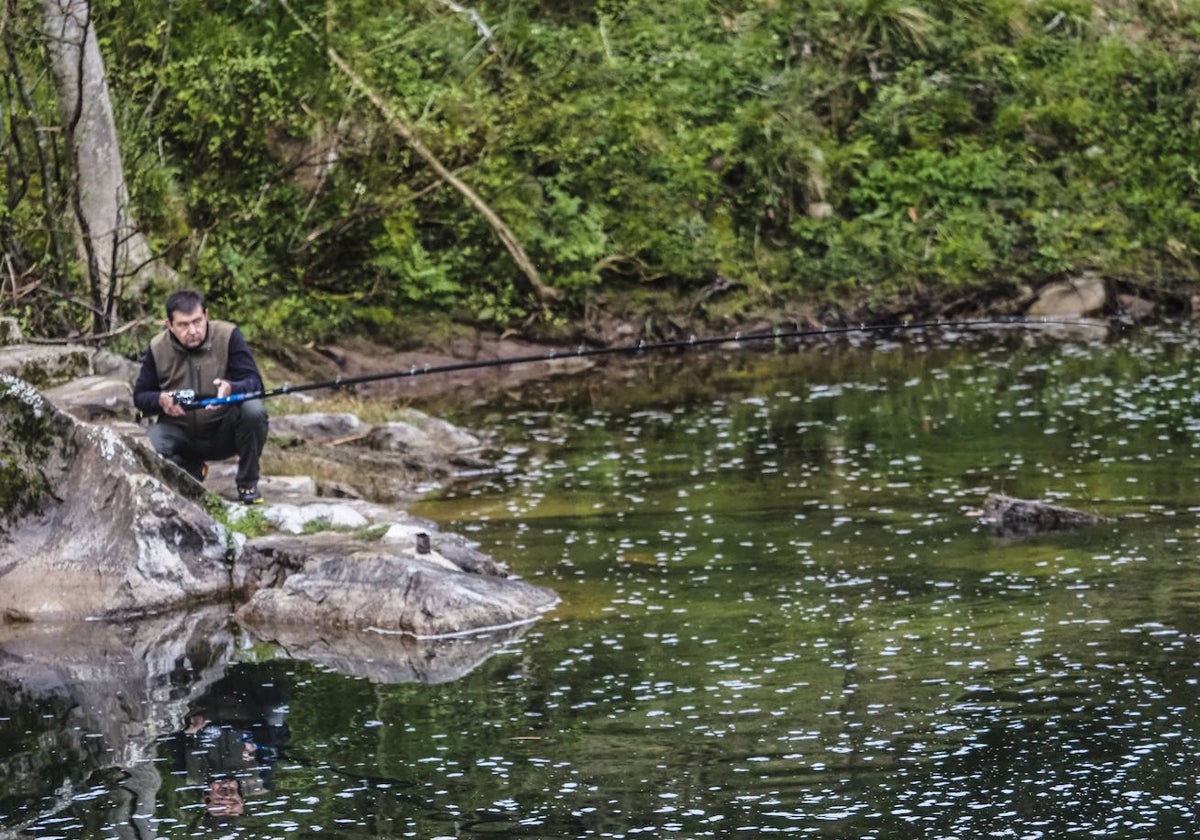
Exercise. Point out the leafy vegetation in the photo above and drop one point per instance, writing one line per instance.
(781, 151)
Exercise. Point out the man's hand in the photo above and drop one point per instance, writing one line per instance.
(224, 389)
(166, 401)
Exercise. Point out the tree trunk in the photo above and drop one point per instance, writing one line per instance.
(117, 256)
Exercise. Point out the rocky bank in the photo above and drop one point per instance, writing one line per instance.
(94, 525)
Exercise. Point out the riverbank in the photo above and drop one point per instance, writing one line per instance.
(107, 530)
(626, 321)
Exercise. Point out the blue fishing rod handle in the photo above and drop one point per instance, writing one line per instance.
(209, 402)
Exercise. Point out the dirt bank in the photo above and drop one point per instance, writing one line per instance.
(615, 325)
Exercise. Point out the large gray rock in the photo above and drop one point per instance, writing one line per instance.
(91, 526)
(424, 434)
(95, 398)
(344, 585)
(47, 365)
(317, 426)
(44, 366)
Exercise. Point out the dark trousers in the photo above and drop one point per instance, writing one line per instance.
(241, 432)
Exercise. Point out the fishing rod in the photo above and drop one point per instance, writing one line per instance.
(187, 397)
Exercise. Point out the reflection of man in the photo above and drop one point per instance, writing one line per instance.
(224, 798)
(224, 759)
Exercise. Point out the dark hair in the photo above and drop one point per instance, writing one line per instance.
(185, 300)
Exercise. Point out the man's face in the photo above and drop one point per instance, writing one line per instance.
(189, 328)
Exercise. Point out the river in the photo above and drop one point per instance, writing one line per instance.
(779, 615)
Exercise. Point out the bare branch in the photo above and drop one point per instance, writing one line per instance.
(422, 151)
(481, 26)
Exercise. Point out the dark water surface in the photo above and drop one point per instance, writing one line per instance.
(778, 616)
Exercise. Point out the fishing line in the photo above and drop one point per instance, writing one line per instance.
(187, 398)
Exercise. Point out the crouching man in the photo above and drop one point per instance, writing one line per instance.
(210, 359)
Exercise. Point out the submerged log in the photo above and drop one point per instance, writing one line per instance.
(1006, 517)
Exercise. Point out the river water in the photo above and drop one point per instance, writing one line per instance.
(779, 616)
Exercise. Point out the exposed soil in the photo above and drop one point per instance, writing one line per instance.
(357, 357)
(606, 326)
(424, 378)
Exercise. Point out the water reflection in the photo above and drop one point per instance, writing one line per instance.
(233, 760)
(777, 618)
(787, 571)
(172, 723)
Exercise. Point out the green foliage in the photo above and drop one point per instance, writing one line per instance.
(403, 262)
(799, 147)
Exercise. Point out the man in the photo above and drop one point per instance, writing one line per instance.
(212, 359)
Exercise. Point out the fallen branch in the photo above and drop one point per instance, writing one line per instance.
(422, 151)
(90, 338)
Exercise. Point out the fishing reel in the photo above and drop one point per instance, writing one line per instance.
(184, 397)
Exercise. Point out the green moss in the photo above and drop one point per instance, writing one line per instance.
(20, 492)
(316, 526)
(56, 369)
(28, 430)
(27, 427)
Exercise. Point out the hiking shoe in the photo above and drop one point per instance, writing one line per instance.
(249, 496)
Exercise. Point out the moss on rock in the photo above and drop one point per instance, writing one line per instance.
(29, 427)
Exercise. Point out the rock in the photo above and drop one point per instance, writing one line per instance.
(369, 587)
(422, 433)
(466, 555)
(94, 398)
(294, 519)
(336, 490)
(1008, 517)
(93, 527)
(113, 366)
(94, 524)
(318, 427)
(1135, 308)
(398, 437)
(43, 367)
(1077, 298)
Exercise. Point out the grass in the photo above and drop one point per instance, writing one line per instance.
(359, 532)
(252, 523)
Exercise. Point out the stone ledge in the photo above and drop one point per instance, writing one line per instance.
(120, 532)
